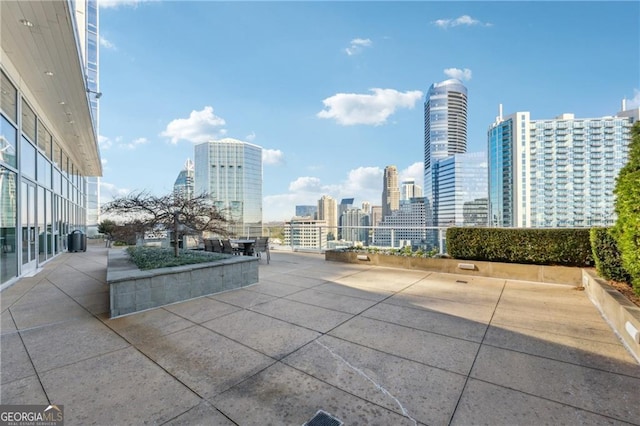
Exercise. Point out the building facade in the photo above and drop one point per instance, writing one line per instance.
(445, 132)
(559, 172)
(229, 171)
(307, 211)
(302, 232)
(185, 182)
(48, 142)
(390, 191)
(409, 190)
(461, 186)
(328, 212)
(404, 227)
(355, 226)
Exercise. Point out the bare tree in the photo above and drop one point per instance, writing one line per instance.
(184, 215)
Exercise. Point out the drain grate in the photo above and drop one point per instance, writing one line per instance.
(322, 418)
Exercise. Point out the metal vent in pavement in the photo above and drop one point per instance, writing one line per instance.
(322, 418)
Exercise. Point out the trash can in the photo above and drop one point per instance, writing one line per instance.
(77, 241)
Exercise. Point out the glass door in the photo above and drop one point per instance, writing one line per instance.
(29, 229)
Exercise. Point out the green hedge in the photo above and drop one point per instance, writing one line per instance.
(626, 231)
(607, 256)
(563, 246)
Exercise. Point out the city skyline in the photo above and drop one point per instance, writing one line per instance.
(332, 108)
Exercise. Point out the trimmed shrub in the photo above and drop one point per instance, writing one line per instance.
(563, 246)
(607, 256)
(627, 228)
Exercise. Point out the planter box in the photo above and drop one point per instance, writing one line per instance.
(132, 290)
(514, 271)
(622, 315)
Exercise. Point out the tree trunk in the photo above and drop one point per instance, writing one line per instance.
(175, 235)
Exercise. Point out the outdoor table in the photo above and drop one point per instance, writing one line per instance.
(247, 246)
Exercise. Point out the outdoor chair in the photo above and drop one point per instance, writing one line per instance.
(227, 248)
(216, 245)
(262, 246)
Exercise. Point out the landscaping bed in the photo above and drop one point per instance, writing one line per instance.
(133, 290)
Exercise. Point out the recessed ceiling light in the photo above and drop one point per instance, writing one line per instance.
(49, 73)
(61, 102)
(26, 23)
(70, 121)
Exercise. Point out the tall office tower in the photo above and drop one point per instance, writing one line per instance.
(445, 132)
(55, 156)
(345, 204)
(409, 190)
(461, 185)
(355, 226)
(556, 173)
(376, 214)
(390, 191)
(408, 226)
(184, 183)
(307, 211)
(366, 207)
(230, 172)
(328, 211)
(87, 23)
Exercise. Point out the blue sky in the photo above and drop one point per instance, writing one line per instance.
(334, 91)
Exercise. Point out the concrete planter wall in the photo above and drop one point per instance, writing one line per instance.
(132, 290)
(514, 271)
(622, 315)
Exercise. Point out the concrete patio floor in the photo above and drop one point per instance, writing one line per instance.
(368, 345)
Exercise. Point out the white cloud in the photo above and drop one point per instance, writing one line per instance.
(374, 109)
(415, 171)
(201, 126)
(251, 137)
(461, 20)
(306, 184)
(105, 4)
(109, 191)
(357, 44)
(104, 142)
(635, 101)
(107, 44)
(272, 156)
(134, 144)
(463, 75)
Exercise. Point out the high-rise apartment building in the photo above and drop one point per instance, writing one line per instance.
(557, 172)
(184, 183)
(45, 158)
(328, 212)
(390, 191)
(354, 225)
(445, 132)
(230, 172)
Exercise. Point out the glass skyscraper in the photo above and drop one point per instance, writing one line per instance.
(445, 132)
(559, 172)
(461, 190)
(184, 183)
(230, 172)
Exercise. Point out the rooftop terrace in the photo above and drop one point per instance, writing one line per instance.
(369, 345)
